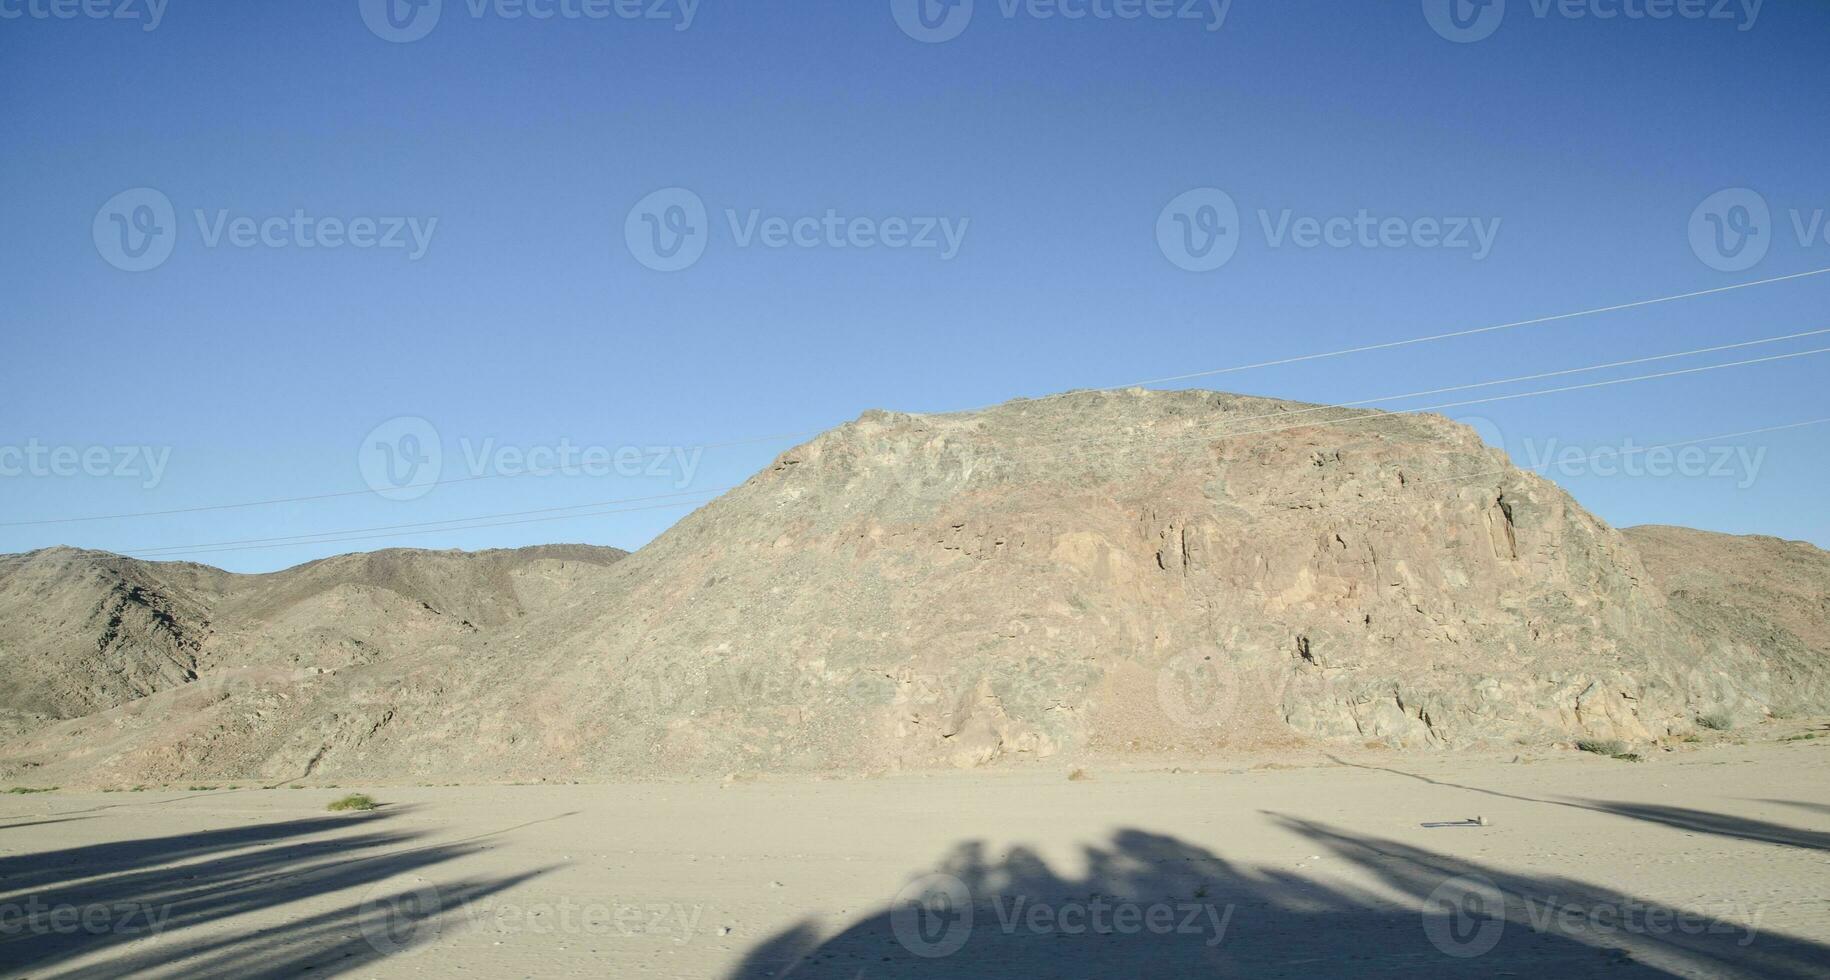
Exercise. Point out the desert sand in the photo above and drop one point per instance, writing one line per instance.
(1708, 859)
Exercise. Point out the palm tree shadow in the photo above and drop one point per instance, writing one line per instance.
(1681, 818)
(1718, 824)
(1152, 905)
(171, 904)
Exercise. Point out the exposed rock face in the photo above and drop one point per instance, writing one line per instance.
(1102, 572)
(1117, 572)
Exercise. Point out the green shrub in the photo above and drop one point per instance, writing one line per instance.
(354, 801)
(21, 790)
(1717, 721)
(1602, 746)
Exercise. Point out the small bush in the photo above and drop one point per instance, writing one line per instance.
(354, 801)
(21, 790)
(1602, 746)
(1079, 775)
(1717, 721)
(200, 789)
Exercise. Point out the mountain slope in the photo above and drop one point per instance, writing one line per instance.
(1108, 572)
(1756, 595)
(87, 631)
(82, 631)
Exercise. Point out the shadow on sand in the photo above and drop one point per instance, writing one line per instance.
(1680, 818)
(160, 904)
(1717, 824)
(1153, 906)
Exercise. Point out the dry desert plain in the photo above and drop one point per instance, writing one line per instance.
(1707, 859)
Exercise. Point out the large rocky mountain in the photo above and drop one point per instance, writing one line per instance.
(1107, 572)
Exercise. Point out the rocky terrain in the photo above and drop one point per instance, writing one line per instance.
(87, 631)
(1125, 572)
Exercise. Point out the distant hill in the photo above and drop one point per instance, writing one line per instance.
(83, 631)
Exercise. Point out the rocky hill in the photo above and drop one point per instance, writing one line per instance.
(83, 631)
(1114, 572)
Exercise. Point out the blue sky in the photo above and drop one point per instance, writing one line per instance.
(258, 364)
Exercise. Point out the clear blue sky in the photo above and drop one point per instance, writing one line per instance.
(1058, 142)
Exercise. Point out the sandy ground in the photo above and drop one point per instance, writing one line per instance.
(1708, 862)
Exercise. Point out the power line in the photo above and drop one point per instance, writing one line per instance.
(361, 532)
(303, 538)
(1636, 450)
(1563, 372)
(329, 537)
(436, 530)
(331, 496)
(1387, 345)
(1500, 398)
